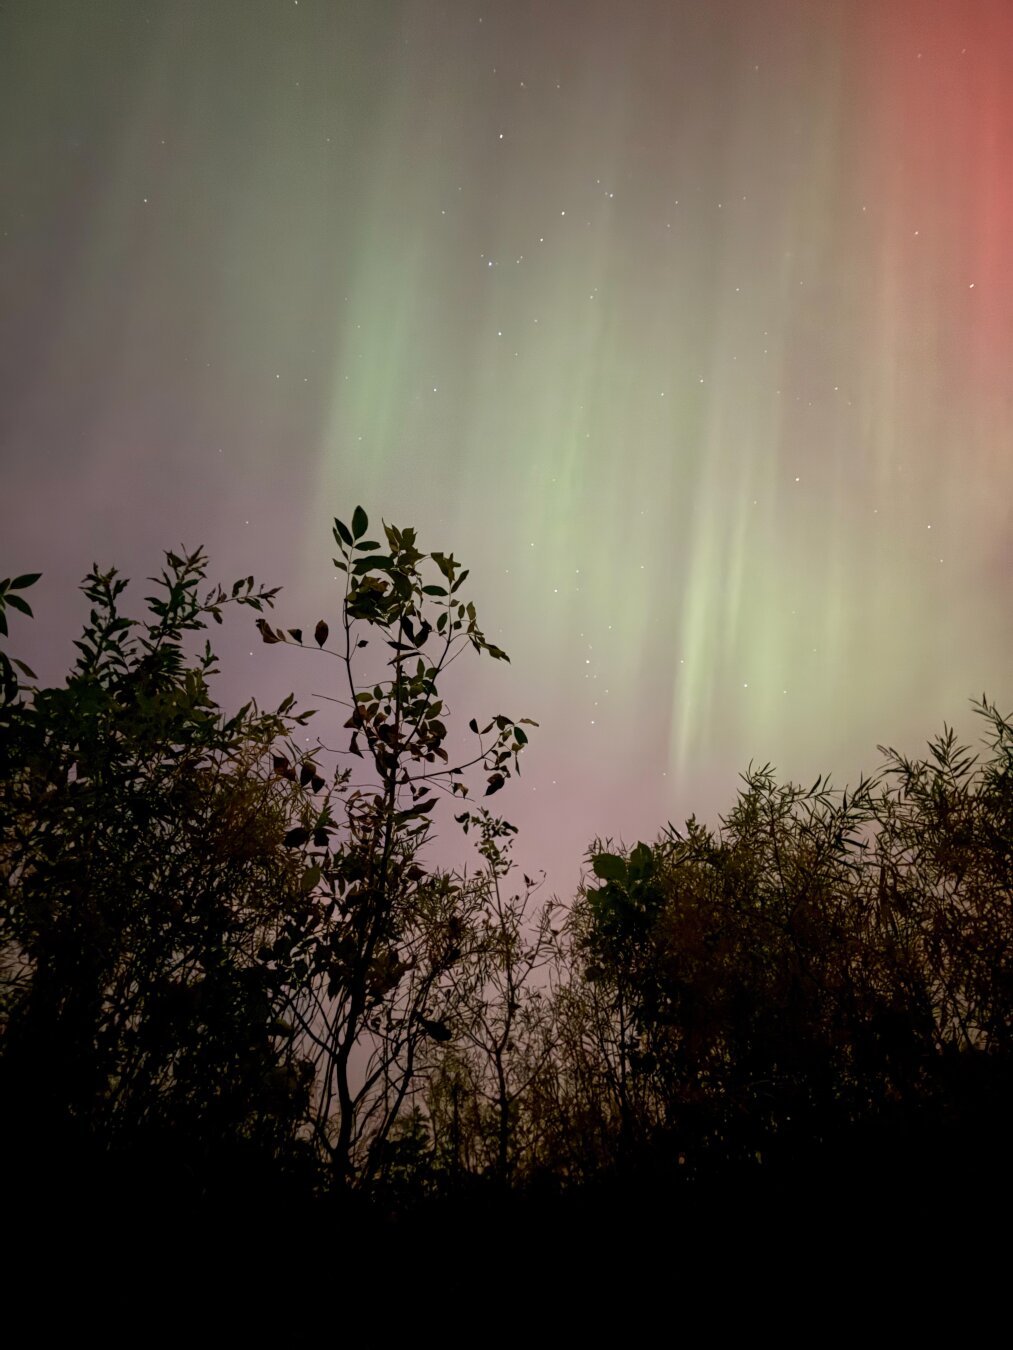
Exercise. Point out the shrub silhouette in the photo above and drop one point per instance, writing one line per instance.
(143, 867)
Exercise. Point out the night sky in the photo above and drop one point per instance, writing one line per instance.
(687, 325)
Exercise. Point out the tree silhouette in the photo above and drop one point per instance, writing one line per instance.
(376, 988)
(827, 976)
(226, 974)
(143, 867)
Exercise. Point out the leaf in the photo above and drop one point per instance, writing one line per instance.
(473, 726)
(496, 781)
(380, 562)
(16, 602)
(265, 631)
(296, 633)
(27, 579)
(342, 530)
(641, 861)
(296, 838)
(320, 633)
(438, 1030)
(360, 523)
(609, 867)
(434, 590)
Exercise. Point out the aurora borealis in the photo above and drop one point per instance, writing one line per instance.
(687, 326)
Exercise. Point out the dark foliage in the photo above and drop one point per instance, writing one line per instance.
(227, 977)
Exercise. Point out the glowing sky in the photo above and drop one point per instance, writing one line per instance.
(687, 325)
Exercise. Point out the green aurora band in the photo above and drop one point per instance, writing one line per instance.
(687, 326)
